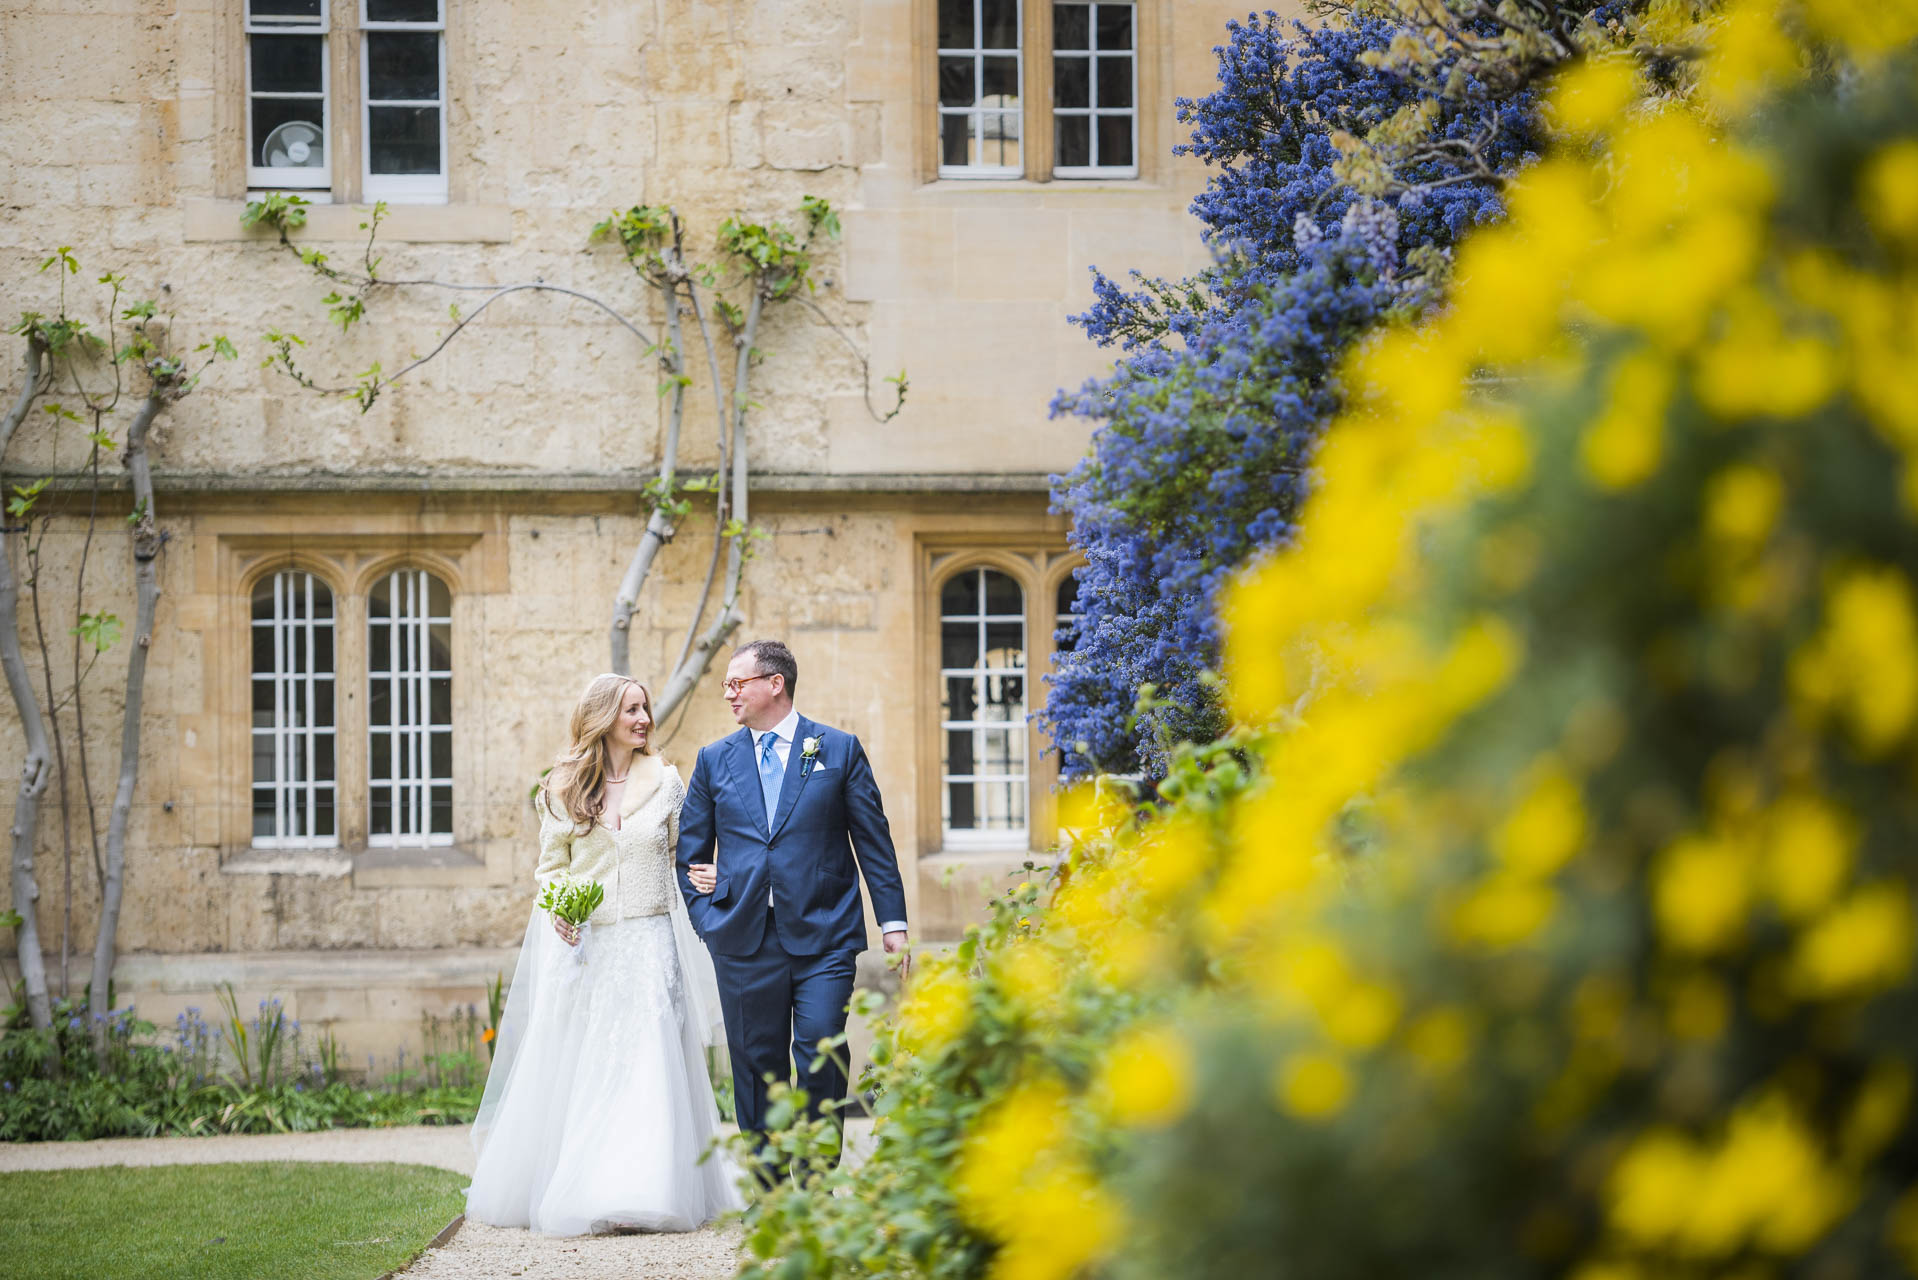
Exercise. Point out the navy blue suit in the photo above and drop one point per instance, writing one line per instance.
(785, 970)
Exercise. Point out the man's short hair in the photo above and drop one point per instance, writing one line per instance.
(773, 656)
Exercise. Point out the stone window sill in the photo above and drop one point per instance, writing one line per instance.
(209, 221)
(434, 868)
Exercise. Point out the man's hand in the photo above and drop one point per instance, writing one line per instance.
(895, 944)
(703, 875)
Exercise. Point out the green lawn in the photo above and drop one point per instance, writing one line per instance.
(223, 1221)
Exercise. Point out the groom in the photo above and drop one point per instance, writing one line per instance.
(790, 804)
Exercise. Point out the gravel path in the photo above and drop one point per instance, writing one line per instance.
(477, 1251)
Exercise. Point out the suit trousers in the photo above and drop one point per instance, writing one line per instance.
(777, 1008)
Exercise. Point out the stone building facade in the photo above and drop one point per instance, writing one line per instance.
(442, 567)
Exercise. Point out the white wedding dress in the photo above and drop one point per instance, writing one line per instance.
(598, 1113)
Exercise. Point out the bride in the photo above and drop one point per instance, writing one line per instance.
(598, 1108)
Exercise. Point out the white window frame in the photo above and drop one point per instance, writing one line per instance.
(409, 690)
(1092, 112)
(400, 188)
(261, 177)
(978, 837)
(976, 113)
(297, 744)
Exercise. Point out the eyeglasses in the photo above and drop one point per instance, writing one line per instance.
(734, 686)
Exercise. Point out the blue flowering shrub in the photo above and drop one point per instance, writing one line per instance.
(1208, 424)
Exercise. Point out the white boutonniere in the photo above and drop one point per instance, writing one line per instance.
(808, 753)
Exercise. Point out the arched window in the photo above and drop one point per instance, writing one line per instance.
(409, 705)
(294, 764)
(1065, 615)
(982, 709)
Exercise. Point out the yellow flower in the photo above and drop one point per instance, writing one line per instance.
(1364, 1017)
(1653, 1186)
(1031, 974)
(1865, 662)
(1701, 893)
(1440, 1040)
(1749, 55)
(1147, 1078)
(1504, 911)
(1861, 945)
(1624, 444)
(1878, 1113)
(934, 1011)
(1020, 1180)
(1755, 367)
(1890, 195)
(1865, 27)
(1808, 853)
(1589, 96)
(1742, 503)
(1546, 827)
(1313, 1086)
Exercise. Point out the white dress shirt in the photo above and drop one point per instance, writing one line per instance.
(787, 729)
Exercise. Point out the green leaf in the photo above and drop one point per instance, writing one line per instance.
(100, 630)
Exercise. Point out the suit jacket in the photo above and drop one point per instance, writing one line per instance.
(829, 827)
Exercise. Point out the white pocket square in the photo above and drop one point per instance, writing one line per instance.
(820, 768)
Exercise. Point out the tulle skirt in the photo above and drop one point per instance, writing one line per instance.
(607, 1115)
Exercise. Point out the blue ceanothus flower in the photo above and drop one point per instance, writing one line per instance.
(1209, 421)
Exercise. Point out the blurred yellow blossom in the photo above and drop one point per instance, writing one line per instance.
(933, 1011)
(1020, 1179)
(1547, 825)
(1701, 892)
(1589, 96)
(1864, 664)
(1750, 55)
(1862, 944)
(1625, 443)
(1742, 503)
(1808, 853)
(1864, 27)
(1147, 1079)
(1891, 192)
(1440, 1039)
(1313, 1086)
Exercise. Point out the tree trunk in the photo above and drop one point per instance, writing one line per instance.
(147, 541)
(34, 771)
(686, 676)
(659, 526)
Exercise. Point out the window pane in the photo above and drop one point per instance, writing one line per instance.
(1001, 86)
(1003, 594)
(289, 133)
(960, 594)
(958, 644)
(1115, 141)
(1005, 645)
(1004, 806)
(262, 812)
(402, 65)
(379, 600)
(404, 139)
(960, 814)
(442, 755)
(1074, 136)
(1071, 82)
(1067, 601)
(955, 24)
(1002, 752)
(380, 814)
(441, 698)
(323, 757)
(262, 704)
(955, 140)
(1000, 22)
(263, 599)
(283, 8)
(442, 811)
(402, 10)
(955, 82)
(439, 646)
(1005, 699)
(1115, 26)
(323, 823)
(380, 755)
(287, 64)
(961, 698)
(959, 751)
(1115, 82)
(263, 663)
(1071, 26)
(323, 648)
(438, 597)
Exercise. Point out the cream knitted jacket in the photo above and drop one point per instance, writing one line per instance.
(633, 864)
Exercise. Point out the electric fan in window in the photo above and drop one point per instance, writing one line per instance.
(293, 145)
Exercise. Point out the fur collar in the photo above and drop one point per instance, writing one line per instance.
(643, 781)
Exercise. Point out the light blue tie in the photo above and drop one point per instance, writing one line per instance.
(770, 776)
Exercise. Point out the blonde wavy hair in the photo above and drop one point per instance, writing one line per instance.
(577, 780)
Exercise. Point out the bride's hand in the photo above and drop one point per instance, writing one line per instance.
(703, 875)
(568, 933)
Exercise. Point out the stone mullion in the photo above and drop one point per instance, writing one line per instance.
(1037, 34)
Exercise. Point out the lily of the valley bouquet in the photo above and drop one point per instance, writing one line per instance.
(573, 901)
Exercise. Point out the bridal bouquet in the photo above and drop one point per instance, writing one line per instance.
(573, 901)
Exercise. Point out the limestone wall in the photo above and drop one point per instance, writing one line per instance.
(514, 460)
